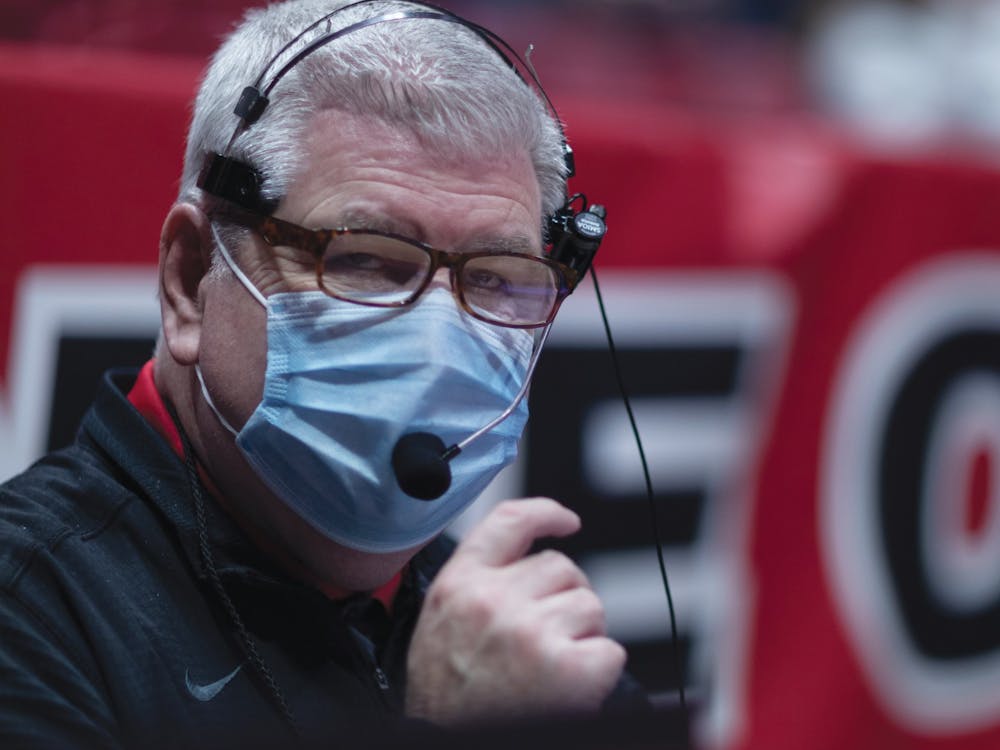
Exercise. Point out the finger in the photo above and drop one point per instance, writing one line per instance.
(545, 573)
(598, 663)
(509, 530)
(575, 613)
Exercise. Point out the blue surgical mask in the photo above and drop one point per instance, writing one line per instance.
(344, 382)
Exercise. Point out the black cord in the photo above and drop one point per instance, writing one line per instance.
(208, 560)
(291, 42)
(429, 11)
(649, 493)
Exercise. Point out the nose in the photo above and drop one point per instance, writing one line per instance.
(440, 280)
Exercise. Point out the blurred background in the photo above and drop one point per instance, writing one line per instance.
(803, 275)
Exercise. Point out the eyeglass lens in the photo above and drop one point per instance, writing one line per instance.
(373, 269)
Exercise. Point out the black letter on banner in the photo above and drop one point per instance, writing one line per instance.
(936, 630)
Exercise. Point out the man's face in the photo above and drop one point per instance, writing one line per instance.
(358, 172)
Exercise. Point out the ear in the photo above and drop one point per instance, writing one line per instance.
(185, 259)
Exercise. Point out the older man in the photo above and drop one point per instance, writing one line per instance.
(226, 553)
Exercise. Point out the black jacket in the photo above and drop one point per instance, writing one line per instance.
(112, 633)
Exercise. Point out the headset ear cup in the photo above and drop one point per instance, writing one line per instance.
(560, 230)
(576, 236)
(555, 231)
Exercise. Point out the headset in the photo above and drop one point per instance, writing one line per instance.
(573, 232)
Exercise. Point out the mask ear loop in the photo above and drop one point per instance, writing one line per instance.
(237, 272)
(255, 293)
(211, 404)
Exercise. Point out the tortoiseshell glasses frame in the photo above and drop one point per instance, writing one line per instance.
(383, 269)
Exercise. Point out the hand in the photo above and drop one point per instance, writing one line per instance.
(504, 635)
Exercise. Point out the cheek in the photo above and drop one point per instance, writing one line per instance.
(233, 349)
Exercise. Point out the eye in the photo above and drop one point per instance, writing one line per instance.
(359, 261)
(482, 279)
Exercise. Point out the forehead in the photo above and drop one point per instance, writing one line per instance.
(363, 170)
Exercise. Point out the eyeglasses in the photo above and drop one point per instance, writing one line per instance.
(381, 269)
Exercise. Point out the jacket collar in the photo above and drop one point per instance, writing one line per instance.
(116, 428)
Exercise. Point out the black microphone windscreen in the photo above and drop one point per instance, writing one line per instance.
(421, 470)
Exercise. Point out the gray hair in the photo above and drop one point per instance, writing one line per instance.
(437, 79)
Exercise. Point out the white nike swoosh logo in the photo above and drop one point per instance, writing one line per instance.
(209, 690)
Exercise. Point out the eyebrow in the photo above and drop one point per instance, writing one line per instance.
(362, 219)
(516, 244)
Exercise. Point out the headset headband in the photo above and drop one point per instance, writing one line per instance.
(237, 182)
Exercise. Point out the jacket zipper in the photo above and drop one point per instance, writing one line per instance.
(367, 650)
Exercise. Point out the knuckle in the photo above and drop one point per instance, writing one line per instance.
(550, 556)
(511, 505)
(458, 594)
(525, 632)
(521, 639)
(510, 511)
(616, 656)
(608, 656)
(592, 606)
(589, 610)
(586, 600)
(561, 566)
(520, 507)
(476, 605)
(436, 601)
(544, 502)
(442, 590)
(554, 559)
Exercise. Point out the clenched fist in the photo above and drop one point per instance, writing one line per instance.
(502, 634)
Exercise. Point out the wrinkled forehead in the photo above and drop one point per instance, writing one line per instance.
(364, 172)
